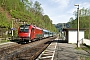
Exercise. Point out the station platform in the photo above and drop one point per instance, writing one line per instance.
(60, 50)
(6, 43)
(66, 51)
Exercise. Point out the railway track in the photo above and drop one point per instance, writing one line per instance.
(26, 51)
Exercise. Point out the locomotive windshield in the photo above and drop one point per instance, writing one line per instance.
(24, 28)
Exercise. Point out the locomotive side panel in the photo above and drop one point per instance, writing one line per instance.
(38, 33)
(32, 34)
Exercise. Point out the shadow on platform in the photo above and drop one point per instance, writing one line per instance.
(60, 41)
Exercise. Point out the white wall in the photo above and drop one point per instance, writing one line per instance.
(86, 41)
(72, 36)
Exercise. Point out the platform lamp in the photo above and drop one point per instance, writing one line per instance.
(12, 27)
(78, 43)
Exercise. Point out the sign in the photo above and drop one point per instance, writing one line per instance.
(12, 28)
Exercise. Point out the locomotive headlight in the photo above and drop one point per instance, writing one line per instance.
(29, 35)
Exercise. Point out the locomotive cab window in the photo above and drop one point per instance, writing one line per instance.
(24, 28)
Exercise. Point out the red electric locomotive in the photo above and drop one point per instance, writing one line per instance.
(28, 33)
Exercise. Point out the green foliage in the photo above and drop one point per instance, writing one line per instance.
(3, 41)
(30, 12)
(78, 48)
(84, 21)
(4, 21)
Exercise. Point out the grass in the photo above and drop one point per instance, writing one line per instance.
(78, 48)
(87, 58)
(87, 46)
(84, 58)
(3, 41)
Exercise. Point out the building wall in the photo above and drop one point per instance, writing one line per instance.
(72, 36)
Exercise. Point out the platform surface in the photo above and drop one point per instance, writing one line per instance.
(65, 51)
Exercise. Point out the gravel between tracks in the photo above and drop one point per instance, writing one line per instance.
(15, 51)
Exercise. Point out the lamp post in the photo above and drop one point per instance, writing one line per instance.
(12, 27)
(78, 43)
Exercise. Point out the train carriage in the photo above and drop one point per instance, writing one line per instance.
(45, 33)
(50, 34)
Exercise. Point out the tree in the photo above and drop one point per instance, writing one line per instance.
(28, 11)
(84, 20)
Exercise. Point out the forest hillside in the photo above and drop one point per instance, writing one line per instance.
(23, 12)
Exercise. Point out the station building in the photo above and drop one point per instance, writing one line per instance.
(71, 35)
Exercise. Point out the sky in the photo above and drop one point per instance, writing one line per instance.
(60, 11)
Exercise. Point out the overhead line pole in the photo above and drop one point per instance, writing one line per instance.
(78, 42)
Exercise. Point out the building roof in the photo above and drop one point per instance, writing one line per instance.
(66, 29)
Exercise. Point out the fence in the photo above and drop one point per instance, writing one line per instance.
(85, 41)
